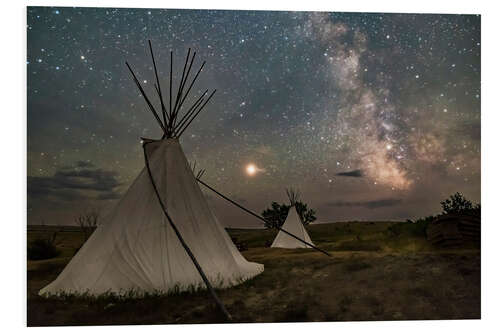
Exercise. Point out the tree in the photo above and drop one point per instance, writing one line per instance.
(42, 248)
(88, 222)
(458, 204)
(276, 215)
(307, 215)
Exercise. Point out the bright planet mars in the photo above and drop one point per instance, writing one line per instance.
(251, 169)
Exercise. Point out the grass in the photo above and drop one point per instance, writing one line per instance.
(355, 266)
(345, 303)
(358, 245)
(374, 273)
(39, 249)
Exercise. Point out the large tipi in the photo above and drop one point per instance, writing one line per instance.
(162, 235)
(293, 224)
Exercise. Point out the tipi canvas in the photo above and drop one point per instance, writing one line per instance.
(136, 248)
(293, 224)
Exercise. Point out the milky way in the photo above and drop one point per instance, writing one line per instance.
(371, 116)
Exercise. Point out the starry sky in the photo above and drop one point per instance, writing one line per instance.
(371, 116)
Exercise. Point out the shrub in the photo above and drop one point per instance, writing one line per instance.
(410, 228)
(458, 204)
(307, 215)
(40, 249)
(420, 225)
(88, 222)
(241, 246)
(276, 215)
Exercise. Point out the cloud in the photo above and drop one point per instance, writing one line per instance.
(84, 164)
(69, 183)
(373, 204)
(354, 173)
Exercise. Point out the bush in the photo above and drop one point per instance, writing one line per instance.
(88, 222)
(420, 226)
(40, 249)
(241, 246)
(458, 204)
(307, 215)
(410, 228)
(276, 215)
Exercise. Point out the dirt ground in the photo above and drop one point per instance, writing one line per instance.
(297, 285)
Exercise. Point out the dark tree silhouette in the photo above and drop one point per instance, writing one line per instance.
(88, 222)
(276, 215)
(307, 215)
(458, 204)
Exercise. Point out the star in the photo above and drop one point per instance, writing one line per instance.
(396, 96)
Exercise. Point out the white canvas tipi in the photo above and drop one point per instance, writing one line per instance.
(293, 224)
(136, 248)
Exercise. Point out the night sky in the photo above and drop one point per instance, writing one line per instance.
(370, 116)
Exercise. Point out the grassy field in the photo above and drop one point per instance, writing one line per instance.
(378, 271)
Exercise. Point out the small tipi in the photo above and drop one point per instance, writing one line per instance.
(293, 224)
(162, 234)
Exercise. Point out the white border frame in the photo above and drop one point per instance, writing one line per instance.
(13, 194)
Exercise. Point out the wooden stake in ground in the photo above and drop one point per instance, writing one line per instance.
(259, 217)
